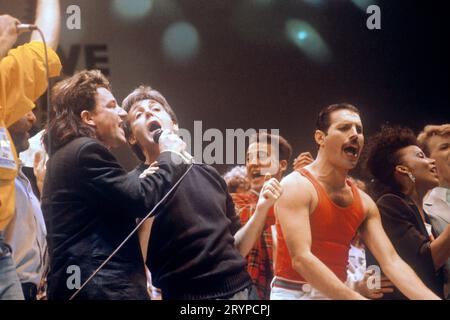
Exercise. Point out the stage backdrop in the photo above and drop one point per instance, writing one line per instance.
(263, 64)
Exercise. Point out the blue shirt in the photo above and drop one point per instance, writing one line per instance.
(26, 233)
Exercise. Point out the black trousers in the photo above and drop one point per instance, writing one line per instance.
(29, 290)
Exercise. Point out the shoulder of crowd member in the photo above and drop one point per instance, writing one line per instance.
(369, 205)
(81, 153)
(90, 148)
(215, 174)
(394, 205)
(294, 180)
(210, 169)
(297, 190)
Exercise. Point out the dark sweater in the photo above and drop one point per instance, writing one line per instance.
(404, 226)
(191, 252)
(90, 205)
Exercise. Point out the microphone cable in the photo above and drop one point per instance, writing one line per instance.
(150, 214)
(21, 28)
(48, 97)
(47, 73)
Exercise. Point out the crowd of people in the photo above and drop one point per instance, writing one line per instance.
(176, 229)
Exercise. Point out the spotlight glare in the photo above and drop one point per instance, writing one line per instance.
(135, 9)
(302, 35)
(363, 4)
(181, 41)
(308, 40)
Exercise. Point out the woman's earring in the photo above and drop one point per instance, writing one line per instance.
(413, 179)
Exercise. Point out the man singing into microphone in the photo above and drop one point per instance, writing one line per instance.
(89, 202)
(196, 244)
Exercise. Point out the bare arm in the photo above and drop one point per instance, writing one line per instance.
(440, 248)
(48, 19)
(401, 274)
(8, 33)
(293, 211)
(247, 236)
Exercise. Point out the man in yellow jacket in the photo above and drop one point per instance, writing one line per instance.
(22, 80)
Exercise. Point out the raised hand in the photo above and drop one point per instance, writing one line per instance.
(270, 191)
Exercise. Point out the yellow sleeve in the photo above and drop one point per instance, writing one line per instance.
(23, 79)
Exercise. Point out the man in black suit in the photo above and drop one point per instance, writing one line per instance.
(89, 202)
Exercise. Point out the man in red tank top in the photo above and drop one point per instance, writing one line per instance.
(320, 212)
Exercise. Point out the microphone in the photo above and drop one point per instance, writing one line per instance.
(23, 27)
(157, 135)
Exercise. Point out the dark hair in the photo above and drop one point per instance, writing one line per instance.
(381, 155)
(323, 120)
(69, 98)
(139, 94)
(284, 146)
(147, 93)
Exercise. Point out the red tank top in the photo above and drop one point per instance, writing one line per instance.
(332, 229)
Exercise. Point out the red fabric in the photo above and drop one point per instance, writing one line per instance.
(332, 230)
(260, 258)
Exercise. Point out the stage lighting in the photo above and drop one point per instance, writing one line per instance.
(132, 9)
(363, 4)
(181, 41)
(308, 40)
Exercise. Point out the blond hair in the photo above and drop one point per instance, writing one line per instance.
(430, 131)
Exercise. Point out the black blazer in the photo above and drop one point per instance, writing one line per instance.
(404, 226)
(90, 205)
